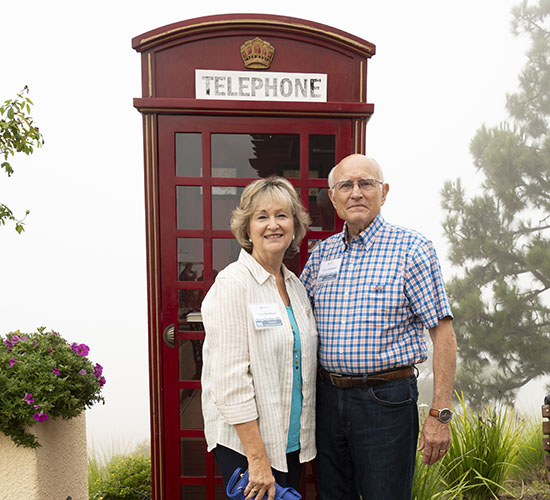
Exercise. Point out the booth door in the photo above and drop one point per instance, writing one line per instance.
(204, 164)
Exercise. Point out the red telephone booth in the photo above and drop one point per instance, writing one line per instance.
(227, 99)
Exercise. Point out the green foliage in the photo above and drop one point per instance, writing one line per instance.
(485, 455)
(18, 134)
(42, 376)
(530, 462)
(484, 447)
(500, 239)
(123, 477)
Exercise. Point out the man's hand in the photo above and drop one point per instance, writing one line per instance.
(434, 440)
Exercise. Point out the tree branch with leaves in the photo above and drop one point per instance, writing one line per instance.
(18, 134)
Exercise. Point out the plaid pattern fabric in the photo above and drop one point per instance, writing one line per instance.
(388, 289)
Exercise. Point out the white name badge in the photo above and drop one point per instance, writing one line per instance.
(266, 316)
(329, 270)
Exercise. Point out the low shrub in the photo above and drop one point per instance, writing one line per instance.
(123, 478)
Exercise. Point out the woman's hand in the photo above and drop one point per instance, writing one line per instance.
(261, 483)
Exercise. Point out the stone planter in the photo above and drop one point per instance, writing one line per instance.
(55, 471)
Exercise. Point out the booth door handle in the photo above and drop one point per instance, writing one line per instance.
(169, 336)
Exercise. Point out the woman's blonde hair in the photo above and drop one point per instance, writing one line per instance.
(273, 189)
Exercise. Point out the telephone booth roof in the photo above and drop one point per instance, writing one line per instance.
(292, 27)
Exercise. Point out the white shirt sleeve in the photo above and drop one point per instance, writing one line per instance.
(225, 321)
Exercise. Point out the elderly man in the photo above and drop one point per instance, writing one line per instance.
(375, 287)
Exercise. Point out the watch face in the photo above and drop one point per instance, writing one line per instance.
(445, 415)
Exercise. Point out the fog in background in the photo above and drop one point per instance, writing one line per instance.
(440, 71)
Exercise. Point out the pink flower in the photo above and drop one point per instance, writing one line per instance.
(11, 362)
(40, 416)
(80, 349)
(28, 398)
(82, 372)
(98, 370)
(55, 371)
(101, 381)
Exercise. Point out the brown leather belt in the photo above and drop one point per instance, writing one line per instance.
(339, 380)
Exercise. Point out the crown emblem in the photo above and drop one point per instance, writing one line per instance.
(257, 53)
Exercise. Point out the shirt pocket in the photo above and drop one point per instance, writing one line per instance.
(386, 303)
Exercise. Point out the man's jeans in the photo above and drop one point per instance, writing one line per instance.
(366, 440)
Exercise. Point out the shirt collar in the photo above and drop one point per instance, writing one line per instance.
(257, 270)
(368, 234)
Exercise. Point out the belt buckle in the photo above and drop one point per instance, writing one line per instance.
(333, 376)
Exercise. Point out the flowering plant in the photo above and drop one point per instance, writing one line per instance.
(42, 376)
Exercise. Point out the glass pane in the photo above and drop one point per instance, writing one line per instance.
(320, 210)
(311, 244)
(193, 492)
(188, 155)
(189, 207)
(190, 409)
(223, 253)
(193, 456)
(293, 263)
(189, 302)
(255, 155)
(322, 155)
(190, 260)
(224, 201)
(190, 359)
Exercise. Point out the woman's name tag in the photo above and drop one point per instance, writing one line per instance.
(329, 270)
(266, 316)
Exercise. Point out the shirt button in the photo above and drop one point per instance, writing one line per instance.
(341, 351)
(343, 321)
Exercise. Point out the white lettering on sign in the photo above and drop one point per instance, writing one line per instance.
(260, 86)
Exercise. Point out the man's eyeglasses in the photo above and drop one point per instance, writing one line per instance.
(365, 185)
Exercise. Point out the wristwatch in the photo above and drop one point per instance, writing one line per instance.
(443, 415)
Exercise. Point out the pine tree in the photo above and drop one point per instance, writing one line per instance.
(500, 238)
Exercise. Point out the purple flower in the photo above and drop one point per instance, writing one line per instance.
(35, 343)
(83, 350)
(101, 381)
(11, 362)
(50, 349)
(11, 343)
(55, 334)
(28, 398)
(55, 371)
(40, 416)
(98, 370)
(80, 349)
(35, 407)
(82, 372)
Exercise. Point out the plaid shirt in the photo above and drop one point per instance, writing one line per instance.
(388, 288)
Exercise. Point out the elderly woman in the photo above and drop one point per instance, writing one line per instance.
(260, 349)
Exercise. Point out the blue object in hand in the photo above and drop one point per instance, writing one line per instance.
(238, 482)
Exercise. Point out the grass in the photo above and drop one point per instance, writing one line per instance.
(494, 454)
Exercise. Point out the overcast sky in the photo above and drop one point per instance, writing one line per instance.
(441, 70)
